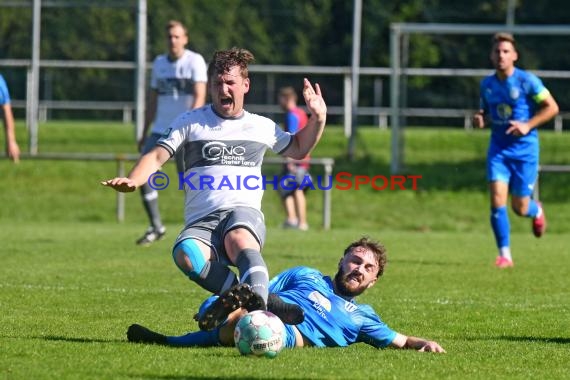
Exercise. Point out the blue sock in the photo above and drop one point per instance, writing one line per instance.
(532, 209)
(501, 226)
(198, 338)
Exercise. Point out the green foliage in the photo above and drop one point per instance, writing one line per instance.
(317, 32)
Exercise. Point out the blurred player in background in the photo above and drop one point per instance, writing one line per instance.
(293, 197)
(224, 224)
(515, 103)
(332, 317)
(177, 84)
(12, 148)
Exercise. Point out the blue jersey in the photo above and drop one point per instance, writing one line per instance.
(4, 94)
(330, 320)
(514, 98)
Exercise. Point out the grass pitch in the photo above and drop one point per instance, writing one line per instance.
(69, 291)
(72, 280)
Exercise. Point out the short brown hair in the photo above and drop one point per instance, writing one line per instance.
(504, 37)
(174, 23)
(224, 60)
(288, 93)
(375, 247)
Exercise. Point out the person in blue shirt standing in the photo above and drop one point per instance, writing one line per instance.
(332, 318)
(514, 102)
(12, 148)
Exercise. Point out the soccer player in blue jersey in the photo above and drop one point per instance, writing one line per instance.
(514, 102)
(332, 317)
(12, 148)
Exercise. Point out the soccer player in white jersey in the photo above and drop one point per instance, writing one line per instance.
(177, 84)
(224, 224)
(333, 318)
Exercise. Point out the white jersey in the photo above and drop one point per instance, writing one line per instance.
(174, 81)
(222, 158)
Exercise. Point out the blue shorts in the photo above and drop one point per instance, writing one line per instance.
(520, 175)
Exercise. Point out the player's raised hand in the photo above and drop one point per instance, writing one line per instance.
(121, 184)
(314, 100)
(518, 128)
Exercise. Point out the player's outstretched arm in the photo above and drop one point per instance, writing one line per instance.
(148, 164)
(418, 344)
(305, 140)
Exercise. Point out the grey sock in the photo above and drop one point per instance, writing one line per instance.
(253, 271)
(216, 277)
(150, 202)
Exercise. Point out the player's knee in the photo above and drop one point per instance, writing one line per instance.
(188, 258)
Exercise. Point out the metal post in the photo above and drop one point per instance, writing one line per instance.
(29, 103)
(141, 68)
(535, 190)
(511, 5)
(396, 154)
(270, 96)
(404, 62)
(355, 74)
(35, 77)
(347, 105)
(120, 196)
(327, 198)
(378, 86)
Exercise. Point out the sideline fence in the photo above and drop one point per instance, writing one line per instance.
(326, 162)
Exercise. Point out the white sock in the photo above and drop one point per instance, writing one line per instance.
(506, 253)
(539, 213)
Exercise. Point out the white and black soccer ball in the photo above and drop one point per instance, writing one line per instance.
(260, 333)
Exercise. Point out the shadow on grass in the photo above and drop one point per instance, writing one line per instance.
(78, 340)
(180, 377)
(535, 339)
(529, 339)
(427, 262)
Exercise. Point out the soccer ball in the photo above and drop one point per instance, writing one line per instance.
(259, 333)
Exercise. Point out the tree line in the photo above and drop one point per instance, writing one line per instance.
(286, 32)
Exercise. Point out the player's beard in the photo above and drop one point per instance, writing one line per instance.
(342, 286)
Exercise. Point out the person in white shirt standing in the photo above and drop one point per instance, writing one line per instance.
(178, 84)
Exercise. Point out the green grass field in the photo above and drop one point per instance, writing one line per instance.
(72, 280)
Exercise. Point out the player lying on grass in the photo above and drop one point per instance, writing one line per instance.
(332, 317)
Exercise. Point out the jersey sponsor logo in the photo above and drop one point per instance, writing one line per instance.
(514, 93)
(226, 154)
(217, 150)
(321, 300)
(242, 153)
(320, 304)
(349, 306)
(504, 111)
